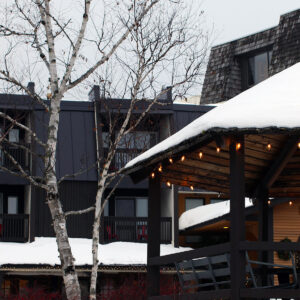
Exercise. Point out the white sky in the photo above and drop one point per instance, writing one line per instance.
(233, 19)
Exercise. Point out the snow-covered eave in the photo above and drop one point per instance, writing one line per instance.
(248, 210)
(197, 141)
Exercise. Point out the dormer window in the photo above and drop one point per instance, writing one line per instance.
(255, 68)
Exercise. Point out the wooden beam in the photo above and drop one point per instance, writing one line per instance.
(237, 216)
(153, 246)
(186, 255)
(204, 295)
(175, 217)
(278, 165)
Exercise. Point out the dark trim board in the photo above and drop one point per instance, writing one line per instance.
(205, 295)
(186, 255)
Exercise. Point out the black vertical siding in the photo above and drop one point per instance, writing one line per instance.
(75, 195)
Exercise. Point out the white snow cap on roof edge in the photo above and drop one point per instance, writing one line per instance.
(205, 213)
(275, 102)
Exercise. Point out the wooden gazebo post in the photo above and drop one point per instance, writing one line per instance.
(237, 215)
(153, 250)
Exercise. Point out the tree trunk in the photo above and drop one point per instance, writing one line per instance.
(69, 274)
(70, 277)
(95, 244)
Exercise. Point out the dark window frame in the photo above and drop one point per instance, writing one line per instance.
(244, 64)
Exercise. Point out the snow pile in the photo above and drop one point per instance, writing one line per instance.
(274, 102)
(44, 251)
(201, 214)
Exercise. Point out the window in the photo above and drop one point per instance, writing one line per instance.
(124, 207)
(255, 68)
(191, 203)
(12, 205)
(131, 145)
(13, 136)
(131, 207)
(1, 203)
(212, 201)
(141, 207)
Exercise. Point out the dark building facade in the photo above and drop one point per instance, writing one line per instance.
(23, 209)
(237, 65)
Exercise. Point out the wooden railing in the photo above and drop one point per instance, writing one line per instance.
(21, 155)
(257, 293)
(14, 228)
(134, 229)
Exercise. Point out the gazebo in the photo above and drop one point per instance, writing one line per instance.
(246, 147)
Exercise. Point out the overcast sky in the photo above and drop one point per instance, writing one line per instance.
(233, 19)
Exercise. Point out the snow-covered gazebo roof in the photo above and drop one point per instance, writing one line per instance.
(267, 115)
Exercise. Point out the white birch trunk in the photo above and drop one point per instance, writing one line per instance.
(69, 274)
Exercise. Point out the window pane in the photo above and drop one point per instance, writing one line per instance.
(106, 209)
(1, 203)
(261, 67)
(125, 207)
(216, 200)
(13, 135)
(12, 206)
(141, 207)
(191, 203)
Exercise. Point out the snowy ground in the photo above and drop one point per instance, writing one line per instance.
(201, 214)
(44, 251)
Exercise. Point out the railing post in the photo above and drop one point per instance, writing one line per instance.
(153, 246)
(237, 215)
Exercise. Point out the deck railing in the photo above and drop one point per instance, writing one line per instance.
(134, 229)
(255, 293)
(21, 155)
(14, 228)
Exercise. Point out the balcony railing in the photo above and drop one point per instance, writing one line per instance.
(14, 228)
(134, 229)
(19, 154)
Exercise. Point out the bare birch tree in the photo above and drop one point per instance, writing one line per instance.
(130, 47)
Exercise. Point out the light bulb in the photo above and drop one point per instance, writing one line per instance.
(182, 158)
(200, 154)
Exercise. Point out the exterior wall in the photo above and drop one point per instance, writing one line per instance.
(223, 74)
(74, 196)
(286, 224)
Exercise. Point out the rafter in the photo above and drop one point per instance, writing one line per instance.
(278, 165)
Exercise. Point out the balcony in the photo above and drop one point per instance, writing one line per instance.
(134, 229)
(14, 228)
(19, 154)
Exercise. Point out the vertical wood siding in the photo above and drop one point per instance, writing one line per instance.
(286, 224)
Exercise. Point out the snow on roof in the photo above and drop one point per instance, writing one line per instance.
(274, 102)
(201, 214)
(43, 251)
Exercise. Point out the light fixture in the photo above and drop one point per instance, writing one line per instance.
(269, 147)
(269, 202)
(299, 145)
(168, 183)
(171, 160)
(182, 158)
(152, 175)
(191, 187)
(225, 227)
(200, 154)
(160, 168)
(290, 203)
(238, 146)
(218, 149)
